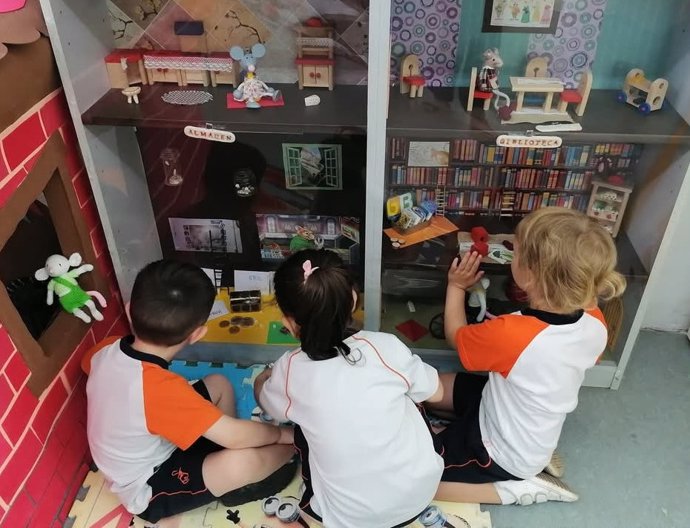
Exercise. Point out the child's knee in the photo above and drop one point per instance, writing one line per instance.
(218, 386)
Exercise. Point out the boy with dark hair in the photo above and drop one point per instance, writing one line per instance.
(166, 446)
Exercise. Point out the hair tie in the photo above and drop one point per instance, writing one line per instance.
(308, 270)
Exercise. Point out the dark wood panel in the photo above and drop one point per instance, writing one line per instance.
(343, 108)
(441, 113)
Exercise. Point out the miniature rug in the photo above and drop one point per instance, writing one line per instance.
(96, 507)
(265, 103)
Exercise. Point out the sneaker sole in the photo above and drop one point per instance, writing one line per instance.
(556, 466)
(556, 488)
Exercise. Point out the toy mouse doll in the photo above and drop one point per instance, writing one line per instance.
(63, 283)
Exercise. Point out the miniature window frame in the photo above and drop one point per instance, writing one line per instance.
(46, 355)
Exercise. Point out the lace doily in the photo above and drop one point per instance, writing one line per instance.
(187, 97)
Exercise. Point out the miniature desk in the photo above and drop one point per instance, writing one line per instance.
(542, 85)
(255, 328)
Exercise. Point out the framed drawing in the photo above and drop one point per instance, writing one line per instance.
(313, 167)
(521, 16)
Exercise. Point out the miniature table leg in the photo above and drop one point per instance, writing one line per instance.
(548, 101)
(520, 100)
(142, 73)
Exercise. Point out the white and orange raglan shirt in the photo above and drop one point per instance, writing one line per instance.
(138, 414)
(536, 363)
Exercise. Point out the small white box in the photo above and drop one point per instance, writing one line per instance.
(254, 280)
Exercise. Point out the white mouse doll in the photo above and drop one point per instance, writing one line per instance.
(63, 283)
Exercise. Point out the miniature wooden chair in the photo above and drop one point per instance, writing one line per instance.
(537, 67)
(411, 80)
(476, 94)
(579, 95)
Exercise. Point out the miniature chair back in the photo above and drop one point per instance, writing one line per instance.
(474, 93)
(537, 67)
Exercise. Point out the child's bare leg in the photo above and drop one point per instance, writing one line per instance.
(444, 408)
(464, 492)
(230, 469)
(222, 393)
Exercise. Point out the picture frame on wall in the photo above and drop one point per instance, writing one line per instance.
(521, 16)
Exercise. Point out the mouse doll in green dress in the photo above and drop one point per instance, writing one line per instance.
(63, 283)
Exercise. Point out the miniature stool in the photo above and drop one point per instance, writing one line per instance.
(132, 94)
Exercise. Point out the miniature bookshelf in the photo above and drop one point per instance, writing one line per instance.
(487, 179)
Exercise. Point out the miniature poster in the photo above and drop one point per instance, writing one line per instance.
(528, 16)
(313, 167)
(428, 154)
(206, 235)
(282, 235)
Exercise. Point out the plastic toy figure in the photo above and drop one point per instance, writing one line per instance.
(63, 282)
(305, 239)
(252, 89)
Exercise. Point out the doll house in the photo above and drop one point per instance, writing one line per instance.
(321, 174)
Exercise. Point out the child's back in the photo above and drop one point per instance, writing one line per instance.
(367, 452)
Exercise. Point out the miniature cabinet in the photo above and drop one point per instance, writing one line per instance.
(435, 149)
(315, 57)
(607, 204)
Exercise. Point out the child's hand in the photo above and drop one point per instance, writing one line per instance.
(464, 274)
(287, 435)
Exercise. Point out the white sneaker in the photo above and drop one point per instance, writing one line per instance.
(540, 488)
(556, 466)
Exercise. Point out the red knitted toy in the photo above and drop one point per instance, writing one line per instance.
(480, 239)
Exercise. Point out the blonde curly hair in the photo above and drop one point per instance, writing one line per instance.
(570, 257)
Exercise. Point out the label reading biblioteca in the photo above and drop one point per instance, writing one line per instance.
(516, 141)
(210, 134)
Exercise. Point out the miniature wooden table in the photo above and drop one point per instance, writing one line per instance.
(543, 85)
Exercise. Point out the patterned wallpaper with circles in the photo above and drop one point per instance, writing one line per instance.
(430, 29)
(572, 49)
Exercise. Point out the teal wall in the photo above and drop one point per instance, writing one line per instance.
(634, 34)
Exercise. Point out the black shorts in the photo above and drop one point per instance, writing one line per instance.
(178, 483)
(464, 454)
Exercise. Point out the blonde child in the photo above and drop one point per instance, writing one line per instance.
(368, 456)
(508, 424)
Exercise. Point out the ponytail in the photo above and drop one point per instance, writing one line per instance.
(611, 286)
(314, 288)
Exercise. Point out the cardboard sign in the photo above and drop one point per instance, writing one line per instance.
(210, 134)
(516, 141)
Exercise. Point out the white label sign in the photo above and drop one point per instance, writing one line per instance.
(516, 141)
(211, 134)
(254, 280)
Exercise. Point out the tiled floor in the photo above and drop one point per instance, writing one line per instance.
(627, 451)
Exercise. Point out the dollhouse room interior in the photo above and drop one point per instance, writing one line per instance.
(398, 133)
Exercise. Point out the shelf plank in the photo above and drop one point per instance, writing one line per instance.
(342, 108)
(441, 113)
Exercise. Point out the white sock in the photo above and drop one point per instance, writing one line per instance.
(506, 496)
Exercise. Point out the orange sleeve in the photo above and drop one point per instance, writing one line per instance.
(495, 345)
(86, 358)
(173, 409)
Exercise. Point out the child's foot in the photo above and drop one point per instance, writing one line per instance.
(540, 488)
(556, 466)
(274, 483)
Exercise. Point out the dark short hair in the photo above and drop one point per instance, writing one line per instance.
(170, 299)
(321, 305)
